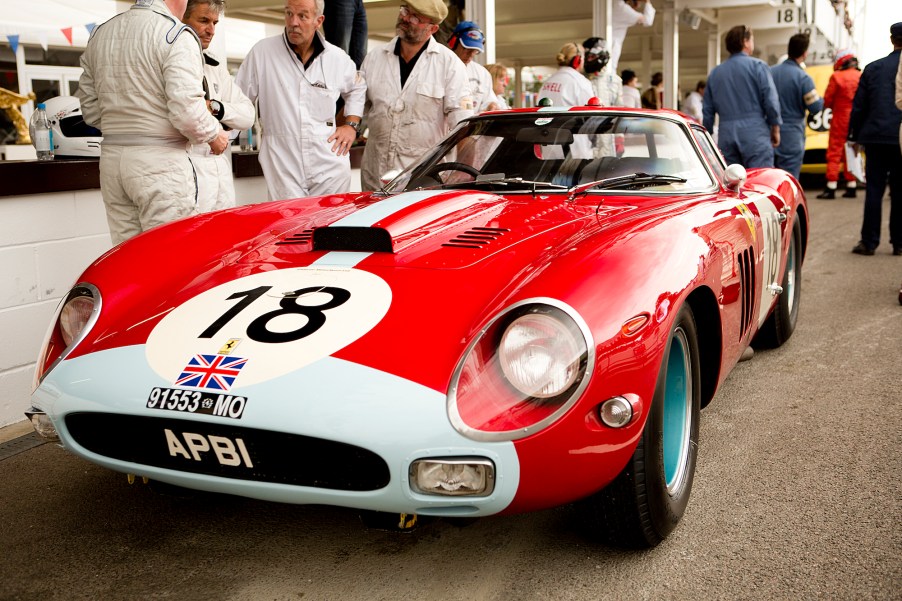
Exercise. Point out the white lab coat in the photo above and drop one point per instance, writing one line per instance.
(215, 186)
(631, 97)
(147, 97)
(693, 105)
(404, 124)
(567, 87)
(480, 86)
(297, 115)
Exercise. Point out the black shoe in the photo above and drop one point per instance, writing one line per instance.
(849, 193)
(897, 251)
(861, 249)
(827, 194)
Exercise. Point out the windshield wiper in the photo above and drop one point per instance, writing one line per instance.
(500, 178)
(639, 180)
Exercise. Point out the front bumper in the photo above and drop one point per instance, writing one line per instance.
(334, 432)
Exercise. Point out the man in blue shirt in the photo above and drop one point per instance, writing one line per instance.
(741, 92)
(797, 95)
(874, 122)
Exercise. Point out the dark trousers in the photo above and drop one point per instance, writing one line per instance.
(345, 26)
(883, 164)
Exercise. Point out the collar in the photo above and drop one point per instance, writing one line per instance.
(393, 46)
(208, 59)
(316, 42)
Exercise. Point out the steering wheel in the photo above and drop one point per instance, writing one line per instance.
(451, 166)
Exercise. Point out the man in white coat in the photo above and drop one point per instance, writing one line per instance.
(226, 101)
(148, 119)
(467, 40)
(417, 90)
(296, 78)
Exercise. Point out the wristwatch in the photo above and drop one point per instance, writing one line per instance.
(217, 109)
(354, 124)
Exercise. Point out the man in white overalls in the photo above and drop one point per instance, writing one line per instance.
(296, 78)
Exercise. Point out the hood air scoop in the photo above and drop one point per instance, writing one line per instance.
(352, 239)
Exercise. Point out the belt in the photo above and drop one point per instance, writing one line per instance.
(143, 140)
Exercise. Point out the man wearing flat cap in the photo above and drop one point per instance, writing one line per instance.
(874, 123)
(466, 41)
(417, 90)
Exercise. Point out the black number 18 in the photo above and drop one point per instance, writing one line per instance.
(258, 330)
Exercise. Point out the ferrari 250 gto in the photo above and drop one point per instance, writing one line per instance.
(530, 315)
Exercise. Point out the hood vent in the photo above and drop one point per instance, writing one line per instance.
(303, 237)
(352, 239)
(477, 237)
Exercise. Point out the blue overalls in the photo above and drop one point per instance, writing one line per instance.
(741, 91)
(797, 95)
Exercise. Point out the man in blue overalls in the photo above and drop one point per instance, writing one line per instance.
(797, 95)
(741, 92)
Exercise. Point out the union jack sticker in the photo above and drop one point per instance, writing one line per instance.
(211, 372)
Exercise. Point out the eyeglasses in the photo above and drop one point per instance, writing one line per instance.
(413, 17)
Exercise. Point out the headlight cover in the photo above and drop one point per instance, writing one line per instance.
(522, 372)
(74, 318)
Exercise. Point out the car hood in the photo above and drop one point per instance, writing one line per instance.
(425, 228)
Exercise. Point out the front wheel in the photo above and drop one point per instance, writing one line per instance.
(647, 499)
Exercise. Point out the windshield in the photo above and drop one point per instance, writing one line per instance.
(545, 151)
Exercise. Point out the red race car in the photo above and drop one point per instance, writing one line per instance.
(531, 315)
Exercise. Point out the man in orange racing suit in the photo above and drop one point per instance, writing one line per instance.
(838, 97)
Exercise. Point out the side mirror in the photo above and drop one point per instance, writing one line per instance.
(734, 177)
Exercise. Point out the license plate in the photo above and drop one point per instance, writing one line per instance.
(194, 401)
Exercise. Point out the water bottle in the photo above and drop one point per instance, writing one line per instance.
(42, 136)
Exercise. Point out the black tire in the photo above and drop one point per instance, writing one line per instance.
(647, 499)
(780, 325)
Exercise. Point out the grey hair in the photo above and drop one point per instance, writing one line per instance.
(217, 5)
(319, 5)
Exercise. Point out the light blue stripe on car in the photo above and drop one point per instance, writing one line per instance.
(340, 259)
(380, 210)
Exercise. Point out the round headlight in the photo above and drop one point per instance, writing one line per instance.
(74, 317)
(540, 356)
(522, 372)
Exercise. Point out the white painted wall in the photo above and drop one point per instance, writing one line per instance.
(46, 241)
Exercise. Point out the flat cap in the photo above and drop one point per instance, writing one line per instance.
(434, 10)
(896, 29)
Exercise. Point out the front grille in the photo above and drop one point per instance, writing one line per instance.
(244, 453)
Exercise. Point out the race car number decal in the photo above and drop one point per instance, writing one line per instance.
(282, 320)
(258, 329)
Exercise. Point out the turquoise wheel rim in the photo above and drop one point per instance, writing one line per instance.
(677, 411)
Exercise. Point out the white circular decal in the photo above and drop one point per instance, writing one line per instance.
(265, 325)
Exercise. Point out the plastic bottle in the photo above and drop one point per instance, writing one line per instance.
(42, 135)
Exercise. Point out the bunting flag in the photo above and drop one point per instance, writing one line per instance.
(44, 36)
